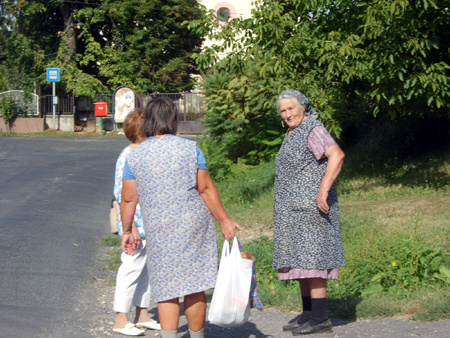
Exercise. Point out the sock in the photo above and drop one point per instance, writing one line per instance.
(197, 334)
(306, 313)
(318, 311)
(306, 301)
(168, 334)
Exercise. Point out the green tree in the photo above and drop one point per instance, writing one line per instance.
(99, 44)
(39, 34)
(386, 58)
(7, 110)
(20, 62)
(142, 43)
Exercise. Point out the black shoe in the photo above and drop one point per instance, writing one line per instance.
(301, 320)
(294, 325)
(326, 326)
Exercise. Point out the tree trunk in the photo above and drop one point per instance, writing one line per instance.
(69, 34)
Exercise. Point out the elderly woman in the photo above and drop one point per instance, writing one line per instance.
(132, 283)
(307, 236)
(169, 177)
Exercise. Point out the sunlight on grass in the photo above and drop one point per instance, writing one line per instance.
(396, 234)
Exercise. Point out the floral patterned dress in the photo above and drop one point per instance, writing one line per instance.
(304, 237)
(118, 194)
(180, 231)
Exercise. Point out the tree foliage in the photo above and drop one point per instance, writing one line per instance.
(99, 44)
(142, 43)
(386, 58)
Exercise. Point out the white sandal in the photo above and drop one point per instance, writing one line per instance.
(130, 330)
(151, 325)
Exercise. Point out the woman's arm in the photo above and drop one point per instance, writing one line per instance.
(127, 208)
(209, 193)
(335, 160)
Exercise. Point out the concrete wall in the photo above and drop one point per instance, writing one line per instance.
(184, 127)
(62, 122)
(190, 127)
(23, 125)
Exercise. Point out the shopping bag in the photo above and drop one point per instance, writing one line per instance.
(113, 216)
(230, 304)
(255, 301)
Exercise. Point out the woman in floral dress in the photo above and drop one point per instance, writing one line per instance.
(169, 178)
(307, 232)
(132, 283)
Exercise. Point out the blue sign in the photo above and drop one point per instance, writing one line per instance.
(53, 74)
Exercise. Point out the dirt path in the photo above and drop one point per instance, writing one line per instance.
(266, 323)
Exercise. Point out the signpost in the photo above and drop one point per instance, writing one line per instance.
(53, 76)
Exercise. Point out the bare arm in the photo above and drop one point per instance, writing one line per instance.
(127, 208)
(335, 160)
(209, 193)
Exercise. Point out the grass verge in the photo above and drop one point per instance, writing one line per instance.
(395, 226)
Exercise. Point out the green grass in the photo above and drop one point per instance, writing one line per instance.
(398, 213)
(112, 262)
(404, 203)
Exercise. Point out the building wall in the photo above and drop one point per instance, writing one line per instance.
(235, 9)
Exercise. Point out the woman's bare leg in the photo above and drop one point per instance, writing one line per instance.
(195, 310)
(141, 315)
(169, 314)
(317, 287)
(121, 320)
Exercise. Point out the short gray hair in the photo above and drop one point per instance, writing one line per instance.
(301, 99)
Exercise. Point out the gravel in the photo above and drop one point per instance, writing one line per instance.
(266, 323)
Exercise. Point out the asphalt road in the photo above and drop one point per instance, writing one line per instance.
(53, 211)
(54, 201)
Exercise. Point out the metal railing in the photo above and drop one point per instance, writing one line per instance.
(25, 104)
(189, 104)
(65, 106)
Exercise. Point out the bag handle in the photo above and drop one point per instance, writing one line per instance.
(226, 249)
(235, 249)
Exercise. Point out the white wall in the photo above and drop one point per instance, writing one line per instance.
(237, 8)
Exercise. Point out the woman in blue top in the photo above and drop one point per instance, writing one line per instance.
(169, 178)
(132, 284)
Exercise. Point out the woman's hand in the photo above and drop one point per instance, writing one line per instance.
(228, 226)
(321, 201)
(136, 235)
(127, 209)
(128, 244)
(335, 159)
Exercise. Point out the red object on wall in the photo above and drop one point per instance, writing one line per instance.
(101, 109)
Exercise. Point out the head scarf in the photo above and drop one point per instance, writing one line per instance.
(304, 102)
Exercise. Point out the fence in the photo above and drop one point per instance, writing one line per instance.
(189, 104)
(65, 106)
(25, 104)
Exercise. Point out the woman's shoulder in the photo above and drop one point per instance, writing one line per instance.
(184, 141)
(124, 153)
(312, 122)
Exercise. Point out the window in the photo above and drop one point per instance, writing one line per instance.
(223, 14)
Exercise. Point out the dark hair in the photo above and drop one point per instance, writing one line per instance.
(132, 125)
(161, 117)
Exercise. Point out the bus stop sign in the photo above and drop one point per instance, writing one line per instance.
(53, 74)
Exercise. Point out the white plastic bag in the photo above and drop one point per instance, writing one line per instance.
(230, 302)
